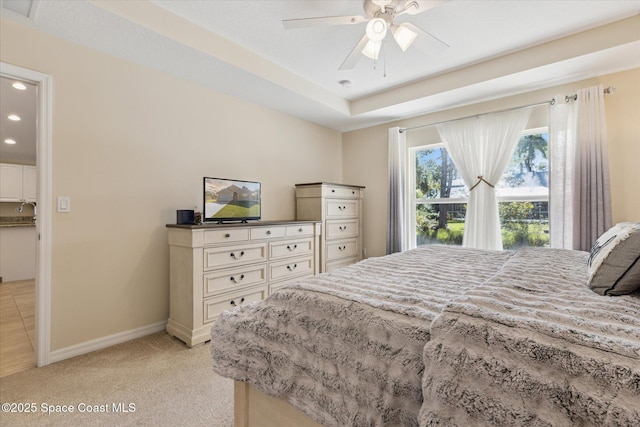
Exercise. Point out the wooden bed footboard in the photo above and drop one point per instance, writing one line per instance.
(252, 408)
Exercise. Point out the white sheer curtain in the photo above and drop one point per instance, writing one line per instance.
(481, 149)
(580, 195)
(562, 140)
(397, 227)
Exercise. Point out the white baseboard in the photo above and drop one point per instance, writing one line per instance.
(108, 341)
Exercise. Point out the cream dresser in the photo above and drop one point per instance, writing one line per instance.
(339, 207)
(217, 267)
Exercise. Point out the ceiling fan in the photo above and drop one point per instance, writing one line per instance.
(379, 16)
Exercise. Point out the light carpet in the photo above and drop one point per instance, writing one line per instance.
(151, 381)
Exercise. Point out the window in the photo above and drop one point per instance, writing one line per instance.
(440, 195)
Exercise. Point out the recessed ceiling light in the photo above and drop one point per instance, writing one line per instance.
(14, 117)
(9, 141)
(345, 83)
(19, 86)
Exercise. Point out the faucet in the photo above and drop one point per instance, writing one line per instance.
(35, 209)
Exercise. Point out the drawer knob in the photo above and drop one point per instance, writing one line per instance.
(268, 232)
(292, 268)
(233, 303)
(342, 248)
(342, 228)
(333, 190)
(227, 235)
(300, 230)
(292, 248)
(234, 256)
(340, 208)
(233, 279)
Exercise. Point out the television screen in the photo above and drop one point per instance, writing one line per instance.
(231, 200)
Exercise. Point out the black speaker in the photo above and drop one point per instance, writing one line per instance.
(185, 216)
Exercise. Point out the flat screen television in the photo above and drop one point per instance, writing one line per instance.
(226, 200)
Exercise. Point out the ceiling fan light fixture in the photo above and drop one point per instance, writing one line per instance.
(372, 49)
(376, 29)
(404, 36)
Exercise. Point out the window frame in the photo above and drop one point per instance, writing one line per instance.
(411, 185)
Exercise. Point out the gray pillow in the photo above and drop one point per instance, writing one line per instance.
(614, 264)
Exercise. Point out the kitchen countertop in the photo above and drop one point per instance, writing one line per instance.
(16, 221)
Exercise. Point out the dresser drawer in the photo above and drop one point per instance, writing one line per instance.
(234, 255)
(341, 249)
(226, 280)
(342, 208)
(342, 192)
(334, 265)
(281, 284)
(300, 230)
(290, 248)
(214, 306)
(291, 268)
(226, 235)
(341, 229)
(259, 233)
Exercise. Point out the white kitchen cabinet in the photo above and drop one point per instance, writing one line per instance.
(17, 253)
(29, 179)
(10, 182)
(17, 183)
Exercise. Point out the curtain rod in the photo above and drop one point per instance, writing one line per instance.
(551, 102)
(610, 89)
(574, 97)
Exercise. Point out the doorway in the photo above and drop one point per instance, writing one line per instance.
(18, 194)
(42, 282)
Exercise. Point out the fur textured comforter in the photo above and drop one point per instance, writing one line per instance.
(442, 336)
(534, 346)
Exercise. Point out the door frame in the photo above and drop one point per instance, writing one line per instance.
(44, 84)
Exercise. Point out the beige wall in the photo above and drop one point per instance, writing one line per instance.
(365, 151)
(130, 146)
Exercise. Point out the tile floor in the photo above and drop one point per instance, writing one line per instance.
(17, 326)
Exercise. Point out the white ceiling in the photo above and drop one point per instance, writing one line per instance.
(23, 104)
(497, 48)
(475, 31)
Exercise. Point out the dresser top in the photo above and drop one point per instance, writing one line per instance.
(330, 183)
(215, 225)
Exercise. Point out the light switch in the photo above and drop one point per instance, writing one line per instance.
(64, 204)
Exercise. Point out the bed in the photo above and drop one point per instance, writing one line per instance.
(437, 336)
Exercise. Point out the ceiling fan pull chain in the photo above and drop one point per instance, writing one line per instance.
(384, 61)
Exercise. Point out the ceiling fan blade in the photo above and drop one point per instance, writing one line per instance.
(355, 55)
(414, 7)
(290, 24)
(427, 43)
